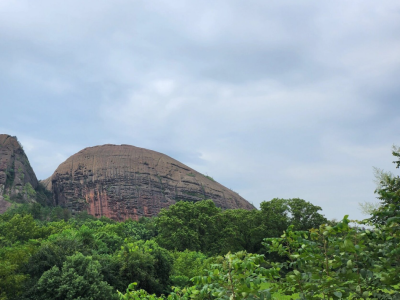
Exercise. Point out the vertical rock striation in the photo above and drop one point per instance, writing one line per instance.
(17, 179)
(122, 181)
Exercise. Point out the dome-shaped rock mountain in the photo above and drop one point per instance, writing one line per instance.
(122, 182)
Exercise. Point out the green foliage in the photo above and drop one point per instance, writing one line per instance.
(47, 254)
(11, 259)
(368, 208)
(107, 243)
(125, 252)
(201, 226)
(187, 264)
(142, 230)
(29, 191)
(388, 191)
(43, 259)
(237, 230)
(187, 225)
(20, 229)
(132, 294)
(344, 262)
(43, 196)
(304, 215)
(338, 262)
(209, 177)
(236, 276)
(79, 278)
(147, 264)
(26, 274)
(39, 212)
(10, 176)
(280, 213)
(82, 217)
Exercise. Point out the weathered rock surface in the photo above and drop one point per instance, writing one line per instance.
(122, 181)
(17, 179)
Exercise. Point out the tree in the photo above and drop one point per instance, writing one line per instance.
(144, 229)
(274, 217)
(187, 225)
(79, 278)
(368, 208)
(21, 228)
(388, 191)
(278, 214)
(11, 278)
(344, 262)
(304, 215)
(236, 230)
(145, 263)
(187, 264)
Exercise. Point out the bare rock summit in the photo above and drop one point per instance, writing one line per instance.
(17, 179)
(126, 182)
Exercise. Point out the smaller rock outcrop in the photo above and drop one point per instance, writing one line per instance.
(17, 178)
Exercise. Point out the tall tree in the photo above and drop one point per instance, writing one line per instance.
(388, 191)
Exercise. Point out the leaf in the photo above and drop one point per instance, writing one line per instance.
(393, 220)
(348, 245)
(338, 294)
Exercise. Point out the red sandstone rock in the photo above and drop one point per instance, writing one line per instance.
(15, 172)
(4, 205)
(122, 182)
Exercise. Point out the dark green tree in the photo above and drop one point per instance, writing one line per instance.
(304, 215)
(187, 225)
(79, 278)
(278, 214)
(236, 230)
(147, 264)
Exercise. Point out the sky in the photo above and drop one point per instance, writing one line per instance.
(273, 99)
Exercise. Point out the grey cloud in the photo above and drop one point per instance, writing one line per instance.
(273, 99)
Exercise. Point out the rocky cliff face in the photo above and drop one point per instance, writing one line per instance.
(17, 179)
(122, 182)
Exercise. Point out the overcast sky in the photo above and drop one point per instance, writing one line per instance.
(271, 98)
